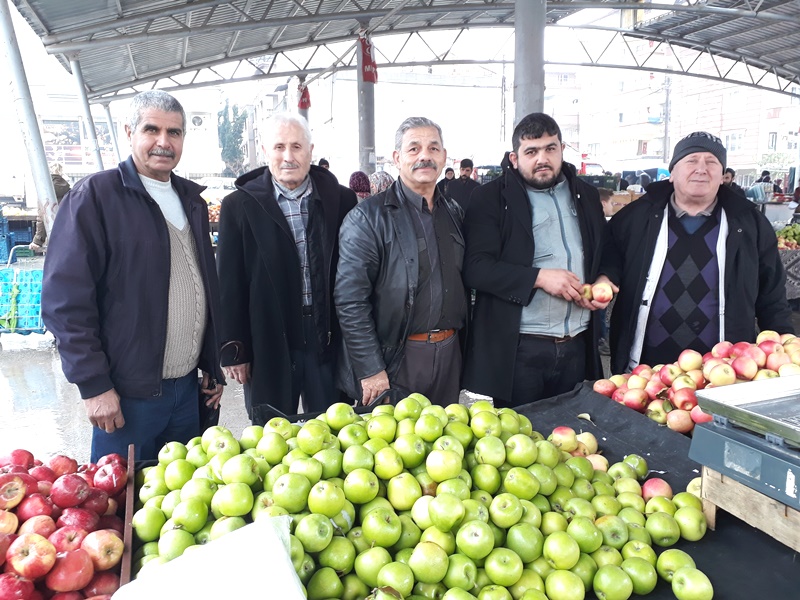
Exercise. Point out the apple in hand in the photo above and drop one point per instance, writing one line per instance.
(586, 291)
(602, 292)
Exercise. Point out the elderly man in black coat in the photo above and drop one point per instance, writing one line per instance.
(277, 256)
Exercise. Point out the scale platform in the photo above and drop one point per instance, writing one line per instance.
(754, 437)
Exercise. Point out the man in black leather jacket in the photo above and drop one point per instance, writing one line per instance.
(398, 294)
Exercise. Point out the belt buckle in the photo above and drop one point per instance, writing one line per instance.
(433, 332)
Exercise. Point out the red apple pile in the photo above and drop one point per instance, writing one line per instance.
(428, 501)
(666, 393)
(60, 533)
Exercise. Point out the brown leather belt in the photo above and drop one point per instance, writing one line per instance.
(433, 336)
(549, 338)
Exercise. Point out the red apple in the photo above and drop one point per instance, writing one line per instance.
(768, 334)
(619, 394)
(72, 571)
(89, 469)
(777, 359)
(680, 420)
(636, 382)
(669, 373)
(42, 473)
(100, 597)
(5, 542)
(656, 487)
(619, 380)
(642, 369)
(104, 547)
(685, 399)
(96, 501)
(602, 292)
(698, 416)
(636, 399)
(102, 583)
(111, 478)
(744, 367)
(696, 375)
(12, 490)
(683, 381)
(605, 387)
(722, 375)
(33, 505)
(770, 346)
(68, 538)
(111, 522)
(14, 586)
(41, 524)
(653, 388)
(68, 596)
(61, 465)
(655, 411)
(707, 356)
(30, 555)
(8, 522)
(710, 364)
(722, 350)
(18, 458)
(789, 370)
(43, 488)
(112, 507)
(757, 354)
(689, 360)
(739, 349)
(69, 490)
(113, 458)
(78, 517)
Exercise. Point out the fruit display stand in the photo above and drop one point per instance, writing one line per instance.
(127, 538)
(741, 561)
(791, 265)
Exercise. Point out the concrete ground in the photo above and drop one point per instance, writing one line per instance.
(42, 412)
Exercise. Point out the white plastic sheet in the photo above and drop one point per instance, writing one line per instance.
(252, 562)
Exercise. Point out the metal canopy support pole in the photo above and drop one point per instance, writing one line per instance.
(366, 117)
(530, 18)
(91, 132)
(303, 111)
(112, 130)
(46, 195)
(251, 138)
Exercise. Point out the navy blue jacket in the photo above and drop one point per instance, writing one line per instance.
(106, 283)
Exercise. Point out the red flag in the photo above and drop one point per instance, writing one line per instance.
(369, 69)
(304, 102)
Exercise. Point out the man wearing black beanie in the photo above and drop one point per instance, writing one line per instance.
(695, 264)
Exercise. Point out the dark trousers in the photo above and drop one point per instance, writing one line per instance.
(545, 368)
(312, 377)
(152, 422)
(433, 370)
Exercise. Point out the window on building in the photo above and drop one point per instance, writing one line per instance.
(734, 141)
(563, 77)
(795, 98)
(642, 148)
(772, 140)
(620, 117)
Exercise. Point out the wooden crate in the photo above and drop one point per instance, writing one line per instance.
(127, 553)
(754, 508)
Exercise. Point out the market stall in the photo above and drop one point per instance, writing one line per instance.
(791, 265)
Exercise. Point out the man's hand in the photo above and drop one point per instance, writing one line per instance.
(214, 394)
(34, 247)
(239, 373)
(104, 411)
(373, 386)
(594, 304)
(559, 283)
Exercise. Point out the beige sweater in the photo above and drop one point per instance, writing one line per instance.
(186, 318)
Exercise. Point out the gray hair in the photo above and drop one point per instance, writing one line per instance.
(157, 99)
(287, 118)
(414, 123)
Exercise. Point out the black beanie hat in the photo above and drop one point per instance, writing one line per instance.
(699, 141)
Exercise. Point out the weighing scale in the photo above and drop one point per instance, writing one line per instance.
(754, 437)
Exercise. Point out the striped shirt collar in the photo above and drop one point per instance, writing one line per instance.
(679, 212)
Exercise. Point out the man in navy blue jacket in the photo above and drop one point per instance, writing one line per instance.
(130, 290)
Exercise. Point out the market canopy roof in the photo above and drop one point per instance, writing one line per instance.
(125, 46)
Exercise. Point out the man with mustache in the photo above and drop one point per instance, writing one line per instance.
(399, 295)
(130, 291)
(277, 254)
(533, 239)
(696, 263)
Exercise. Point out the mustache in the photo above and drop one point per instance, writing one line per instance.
(290, 165)
(424, 164)
(162, 152)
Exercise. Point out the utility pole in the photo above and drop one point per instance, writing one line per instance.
(665, 151)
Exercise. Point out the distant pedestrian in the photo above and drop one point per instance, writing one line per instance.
(461, 189)
(359, 183)
(380, 181)
(61, 187)
(324, 164)
(444, 184)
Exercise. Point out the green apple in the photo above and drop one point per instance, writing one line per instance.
(564, 585)
(407, 408)
(172, 451)
(548, 455)
(520, 482)
(290, 491)
(388, 463)
(177, 472)
(311, 436)
(339, 415)
(505, 510)
(273, 474)
(346, 518)
(331, 461)
(631, 515)
(147, 523)
(232, 500)
(546, 477)
(403, 491)
(474, 510)
(223, 444)
(310, 468)
(410, 534)
(307, 568)
(382, 426)
(639, 549)
(428, 562)
(446, 540)
(530, 513)
(357, 457)
(281, 426)
(375, 444)
(486, 423)
(614, 530)
(622, 469)
(356, 537)
(191, 514)
(241, 468)
(682, 499)
(672, 560)
(639, 465)
(509, 421)
(457, 413)
(542, 568)
(578, 507)
(397, 576)
(482, 496)
(446, 511)
(353, 434)
(689, 583)
(638, 533)
(660, 504)
(559, 498)
(461, 573)
(456, 486)
(360, 486)
(378, 502)
(324, 583)
(490, 450)
(475, 540)
(553, 521)
(642, 574)
(443, 464)
(585, 533)
(169, 502)
(325, 498)
(420, 513)
(428, 427)
(197, 456)
(251, 435)
(586, 569)
(606, 555)
(692, 523)
(411, 449)
(382, 527)
(663, 529)
(526, 541)
(353, 588)
(272, 447)
(216, 463)
(612, 583)
(315, 532)
(369, 563)
(486, 477)
(606, 505)
(632, 501)
(560, 550)
(174, 542)
(151, 489)
(494, 592)
(530, 580)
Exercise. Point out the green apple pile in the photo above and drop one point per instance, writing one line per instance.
(421, 501)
